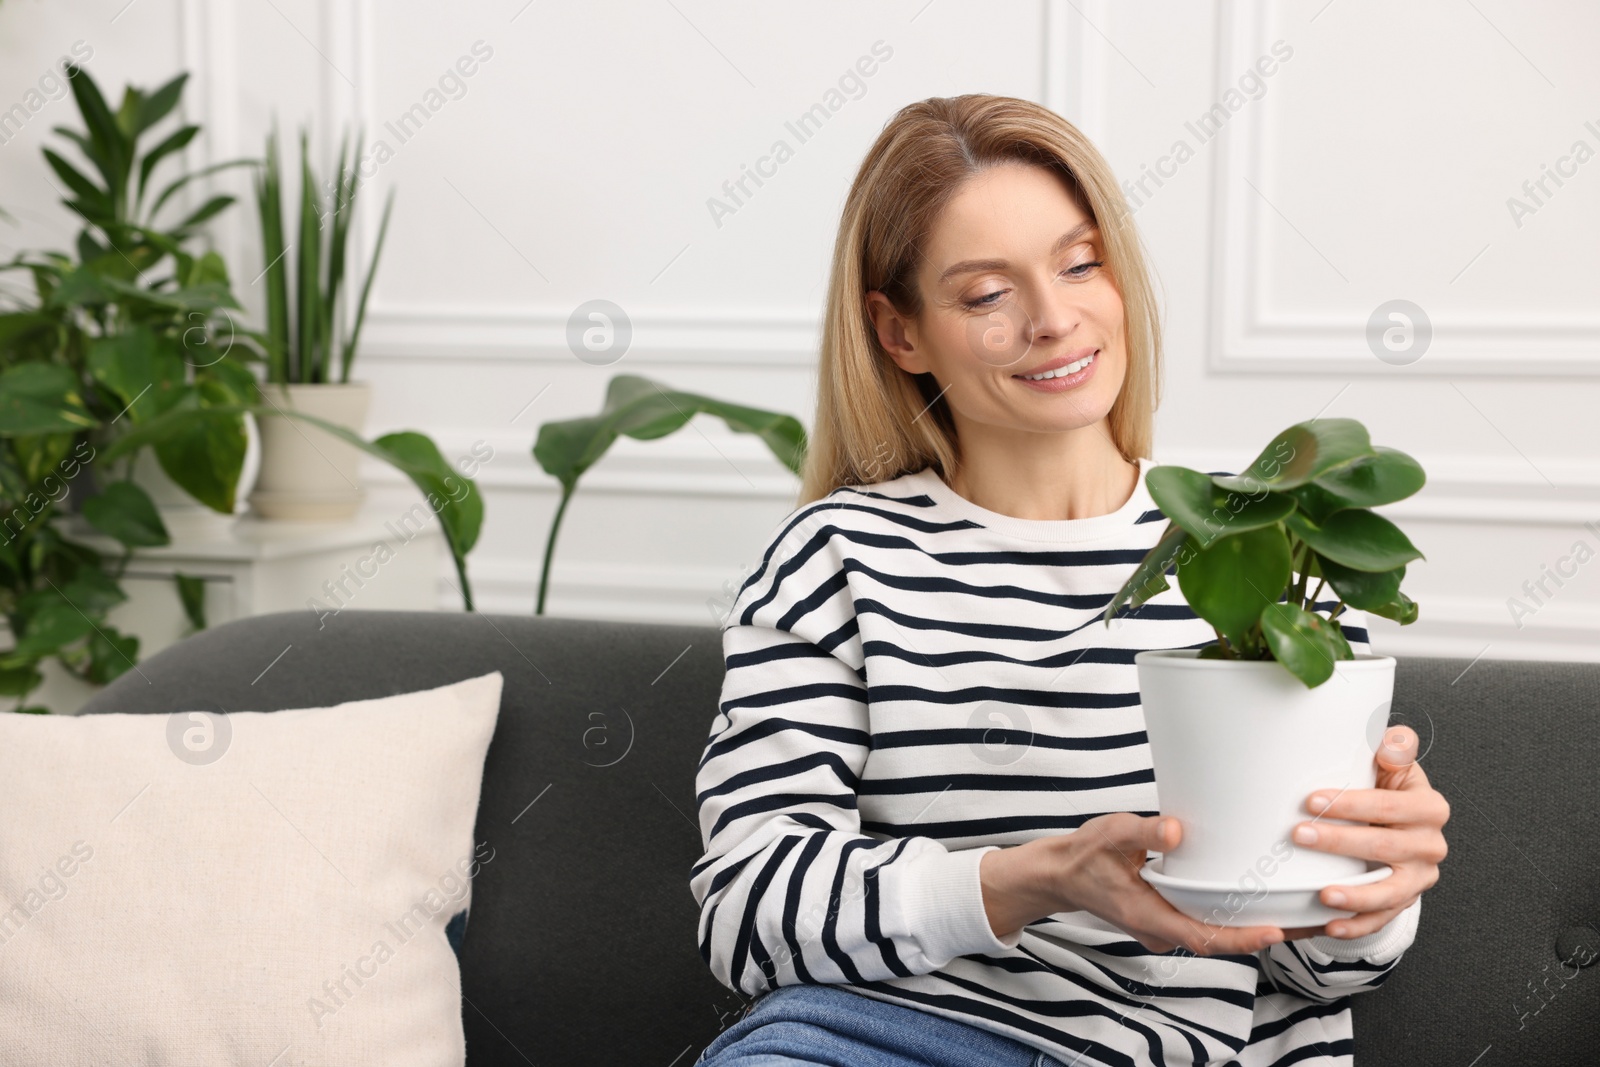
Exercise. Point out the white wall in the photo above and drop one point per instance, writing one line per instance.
(576, 163)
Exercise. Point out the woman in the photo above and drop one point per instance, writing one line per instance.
(927, 794)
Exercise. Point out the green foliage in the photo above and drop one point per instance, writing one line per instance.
(1246, 546)
(304, 340)
(131, 323)
(452, 496)
(192, 594)
(645, 410)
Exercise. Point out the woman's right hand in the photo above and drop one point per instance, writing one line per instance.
(1096, 869)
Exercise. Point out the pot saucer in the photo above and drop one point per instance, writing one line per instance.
(1221, 904)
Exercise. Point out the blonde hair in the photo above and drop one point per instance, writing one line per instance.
(867, 427)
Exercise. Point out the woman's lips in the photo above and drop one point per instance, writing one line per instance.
(1062, 383)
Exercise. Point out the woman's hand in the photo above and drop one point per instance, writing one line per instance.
(1407, 816)
(1096, 869)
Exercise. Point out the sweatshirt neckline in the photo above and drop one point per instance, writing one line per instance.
(1092, 528)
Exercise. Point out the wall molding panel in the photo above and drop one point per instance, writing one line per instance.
(654, 513)
(1248, 335)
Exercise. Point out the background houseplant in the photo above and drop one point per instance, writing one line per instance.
(644, 410)
(307, 474)
(132, 324)
(1242, 730)
(123, 346)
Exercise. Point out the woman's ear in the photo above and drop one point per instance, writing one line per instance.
(895, 334)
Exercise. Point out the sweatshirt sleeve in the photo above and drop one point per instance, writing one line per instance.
(1324, 968)
(789, 889)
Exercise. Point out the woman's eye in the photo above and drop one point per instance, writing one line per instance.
(1078, 271)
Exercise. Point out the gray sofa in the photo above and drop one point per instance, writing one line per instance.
(581, 947)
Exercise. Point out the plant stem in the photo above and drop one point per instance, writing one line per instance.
(1311, 601)
(461, 572)
(550, 547)
(1299, 587)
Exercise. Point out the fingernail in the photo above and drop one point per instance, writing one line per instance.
(1306, 835)
(1335, 897)
(1318, 802)
(1271, 939)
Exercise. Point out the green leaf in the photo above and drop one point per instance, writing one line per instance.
(1149, 577)
(269, 206)
(1303, 642)
(192, 594)
(1372, 481)
(111, 654)
(1302, 453)
(140, 369)
(42, 462)
(1207, 511)
(451, 494)
(40, 398)
(232, 378)
(204, 451)
(90, 152)
(308, 306)
(1316, 502)
(124, 511)
(204, 298)
(178, 183)
(112, 146)
(155, 107)
(92, 590)
(19, 681)
(338, 237)
(1229, 583)
(47, 630)
(94, 204)
(1341, 643)
(19, 327)
(210, 209)
(645, 410)
(1366, 590)
(175, 143)
(349, 354)
(1357, 538)
(1402, 610)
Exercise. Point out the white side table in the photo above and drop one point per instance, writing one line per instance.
(251, 566)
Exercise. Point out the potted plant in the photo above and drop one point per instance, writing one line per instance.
(1243, 729)
(307, 473)
(124, 349)
(129, 326)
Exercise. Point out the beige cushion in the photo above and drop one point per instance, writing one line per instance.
(249, 888)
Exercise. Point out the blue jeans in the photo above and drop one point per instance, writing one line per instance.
(796, 1025)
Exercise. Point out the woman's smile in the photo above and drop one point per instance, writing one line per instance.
(1062, 374)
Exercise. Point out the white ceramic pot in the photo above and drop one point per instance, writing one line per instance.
(1237, 747)
(306, 473)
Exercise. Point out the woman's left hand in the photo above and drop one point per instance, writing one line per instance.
(1407, 816)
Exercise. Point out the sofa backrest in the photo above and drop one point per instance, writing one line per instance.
(581, 948)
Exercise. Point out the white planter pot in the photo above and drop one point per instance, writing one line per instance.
(1237, 747)
(306, 473)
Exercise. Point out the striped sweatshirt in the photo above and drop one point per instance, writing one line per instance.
(914, 680)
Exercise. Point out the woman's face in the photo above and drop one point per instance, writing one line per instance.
(1013, 285)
